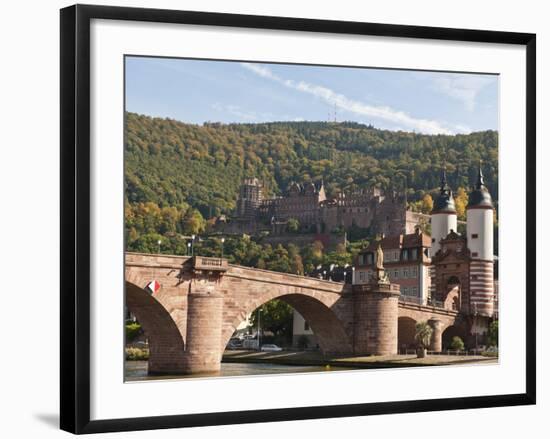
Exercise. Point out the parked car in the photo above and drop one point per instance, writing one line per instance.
(271, 348)
(234, 344)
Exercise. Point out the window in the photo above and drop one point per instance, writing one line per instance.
(433, 239)
(414, 291)
(414, 253)
(475, 236)
(369, 258)
(306, 326)
(396, 256)
(414, 271)
(405, 291)
(405, 254)
(396, 273)
(406, 272)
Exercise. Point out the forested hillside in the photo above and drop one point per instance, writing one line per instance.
(174, 164)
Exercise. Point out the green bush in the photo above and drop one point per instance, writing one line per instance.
(132, 331)
(457, 344)
(137, 354)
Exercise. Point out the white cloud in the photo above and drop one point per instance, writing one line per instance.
(464, 88)
(344, 103)
(264, 72)
(235, 111)
(251, 116)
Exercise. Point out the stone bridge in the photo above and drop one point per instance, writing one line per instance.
(202, 300)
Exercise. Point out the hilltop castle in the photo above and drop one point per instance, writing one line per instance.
(385, 214)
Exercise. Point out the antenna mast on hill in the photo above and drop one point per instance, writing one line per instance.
(332, 115)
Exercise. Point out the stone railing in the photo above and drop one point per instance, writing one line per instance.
(411, 299)
(209, 264)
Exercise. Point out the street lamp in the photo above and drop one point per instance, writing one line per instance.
(352, 275)
(159, 242)
(188, 248)
(222, 240)
(259, 332)
(192, 244)
(325, 274)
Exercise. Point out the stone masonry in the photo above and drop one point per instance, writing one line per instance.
(190, 320)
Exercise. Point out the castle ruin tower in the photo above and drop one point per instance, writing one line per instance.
(443, 214)
(479, 228)
(250, 197)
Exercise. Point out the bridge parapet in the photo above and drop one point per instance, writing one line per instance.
(427, 308)
(291, 280)
(204, 263)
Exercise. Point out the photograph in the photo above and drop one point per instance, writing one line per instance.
(295, 218)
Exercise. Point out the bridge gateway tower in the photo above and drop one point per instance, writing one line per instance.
(479, 228)
(444, 218)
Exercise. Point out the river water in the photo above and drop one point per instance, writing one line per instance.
(137, 370)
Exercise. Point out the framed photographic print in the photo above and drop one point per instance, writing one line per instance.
(339, 213)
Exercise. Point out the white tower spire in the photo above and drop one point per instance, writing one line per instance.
(443, 213)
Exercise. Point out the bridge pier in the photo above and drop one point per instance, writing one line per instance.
(376, 306)
(437, 326)
(204, 332)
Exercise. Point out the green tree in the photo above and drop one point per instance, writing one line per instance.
(293, 225)
(492, 333)
(423, 337)
(276, 316)
(457, 344)
(193, 222)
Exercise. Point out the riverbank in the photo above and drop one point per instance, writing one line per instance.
(137, 371)
(291, 358)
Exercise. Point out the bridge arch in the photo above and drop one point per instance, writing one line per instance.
(166, 345)
(321, 317)
(450, 332)
(406, 331)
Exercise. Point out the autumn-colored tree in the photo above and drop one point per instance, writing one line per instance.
(461, 201)
(317, 250)
(427, 204)
(193, 222)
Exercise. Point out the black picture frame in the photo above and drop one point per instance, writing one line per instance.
(75, 217)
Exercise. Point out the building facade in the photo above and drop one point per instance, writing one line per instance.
(407, 263)
(302, 335)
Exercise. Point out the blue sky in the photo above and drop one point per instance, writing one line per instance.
(196, 91)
